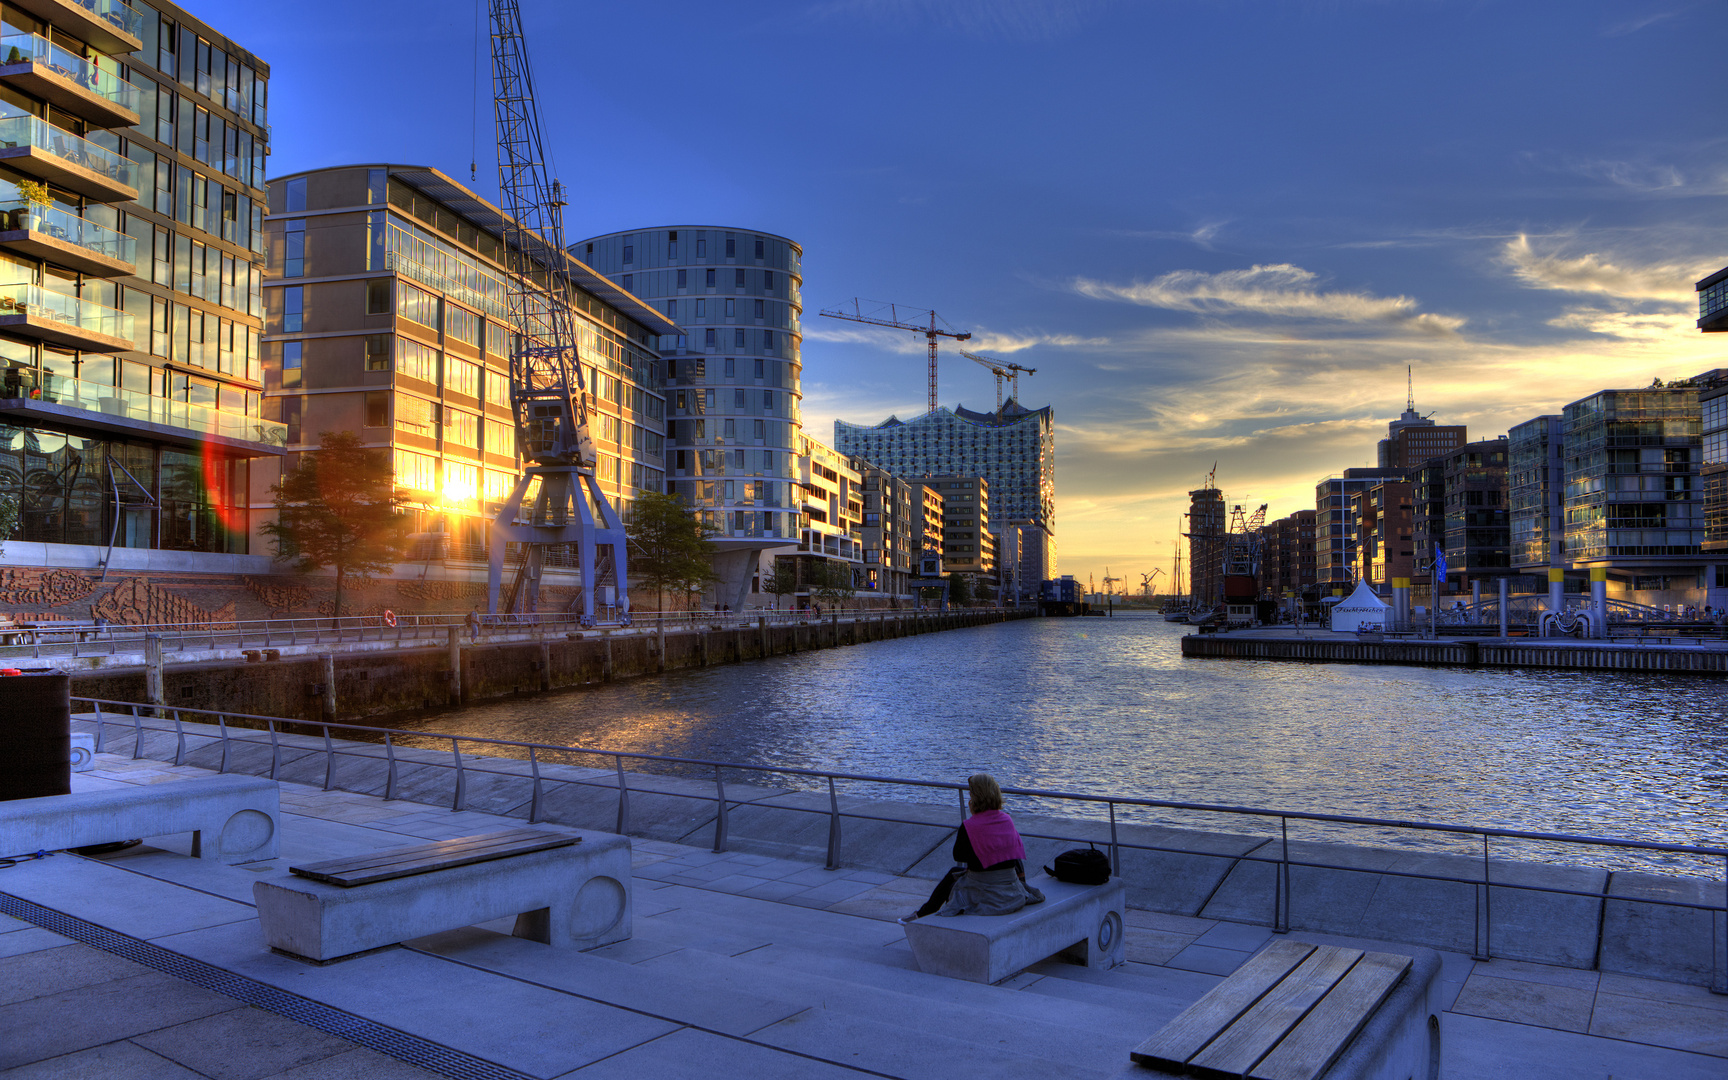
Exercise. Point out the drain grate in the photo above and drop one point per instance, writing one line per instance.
(397, 1044)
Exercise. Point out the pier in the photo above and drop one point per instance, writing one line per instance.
(1323, 646)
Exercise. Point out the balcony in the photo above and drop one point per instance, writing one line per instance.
(108, 25)
(65, 239)
(39, 149)
(127, 412)
(34, 312)
(38, 67)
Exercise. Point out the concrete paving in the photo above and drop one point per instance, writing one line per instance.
(742, 964)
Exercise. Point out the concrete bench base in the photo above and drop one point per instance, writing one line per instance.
(1082, 922)
(233, 819)
(570, 897)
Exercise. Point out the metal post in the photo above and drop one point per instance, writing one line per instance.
(1115, 853)
(101, 726)
(534, 800)
(1281, 884)
(329, 760)
(153, 669)
(461, 777)
(1484, 914)
(720, 813)
(329, 661)
(833, 827)
(623, 797)
(390, 773)
(137, 734)
(222, 727)
(1505, 615)
(1599, 599)
(275, 750)
(455, 642)
(180, 736)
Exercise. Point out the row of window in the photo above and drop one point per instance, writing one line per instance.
(731, 247)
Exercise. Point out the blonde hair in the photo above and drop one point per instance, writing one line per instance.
(986, 794)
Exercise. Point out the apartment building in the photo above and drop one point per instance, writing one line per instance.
(1385, 529)
(928, 508)
(968, 544)
(387, 316)
(1535, 490)
(1337, 560)
(131, 201)
(1287, 558)
(1478, 532)
(890, 545)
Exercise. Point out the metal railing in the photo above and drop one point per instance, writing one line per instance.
(133, 715)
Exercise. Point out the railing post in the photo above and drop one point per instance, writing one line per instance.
(720, 812)
(623, 797)
(534, 800)
(1719, 940)
(461, 777)
(180, 736)
(390, 773)
(1115, 852)
(275, 750)
(137, 734)
(833, 827)
(1281, 881)
(101, 727)
(222, 726)
(329, 759)
(1484, 912)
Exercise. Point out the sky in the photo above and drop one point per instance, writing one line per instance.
(1220, 230)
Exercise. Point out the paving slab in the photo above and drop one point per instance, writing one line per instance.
(357, 1064)
(111, 1061)
(1475, 1048)
(55, 1024)
(1211, 960)
(1540, 1004)
(39, 973)
(917, 1053)
(132, 904)
(31, 939)
(1661, 1023)
(242, 1044)
(699, 1055)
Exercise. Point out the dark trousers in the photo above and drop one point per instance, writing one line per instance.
(939, 895)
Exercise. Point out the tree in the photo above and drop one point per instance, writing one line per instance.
(339, 509)
(669, 546)
(959, 590)
(9, 513)
(783, 581)
(831, 582)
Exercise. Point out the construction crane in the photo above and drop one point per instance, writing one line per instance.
(547, 394)
(1002, 369)
(889, 315)
(1146, 582)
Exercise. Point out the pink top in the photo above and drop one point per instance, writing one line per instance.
(994, 838)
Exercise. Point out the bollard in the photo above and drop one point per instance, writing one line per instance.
(606, 663)
(455, 641)
(1599, 599)
(329, 661)
(545, 664)
(153, 668)
(762, 635)
(1503, 607)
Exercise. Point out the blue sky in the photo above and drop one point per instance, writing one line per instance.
(1219, 230)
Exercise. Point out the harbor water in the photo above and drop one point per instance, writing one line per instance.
(1109, 706)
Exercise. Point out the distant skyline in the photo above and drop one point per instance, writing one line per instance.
(1218, 230)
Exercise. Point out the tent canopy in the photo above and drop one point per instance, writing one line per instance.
(1360, 610)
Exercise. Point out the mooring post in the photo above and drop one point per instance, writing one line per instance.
(606, 663)
(762, 634)
(329, 661)
(545, 664)
(1502, 582)
(455, 641)
(153, 668)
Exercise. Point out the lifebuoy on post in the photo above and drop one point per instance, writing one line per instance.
(389, 617)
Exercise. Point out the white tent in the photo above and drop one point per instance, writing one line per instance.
(1361, 610)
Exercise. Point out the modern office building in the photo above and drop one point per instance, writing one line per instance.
(1337, 563)
(927, 513)
(1014, 449)
(1413, 438)
(1633, 502)
(1478, 536)
(890, 547)
(387, 317)
(1206, 525)
(968, 541)
(1713, 302)
(830, 494)
(733, 369)
(131, 202)
(1385, 527)
(1287, 558)
(1535, 491)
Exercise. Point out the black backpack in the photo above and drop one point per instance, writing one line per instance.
(1081, 866)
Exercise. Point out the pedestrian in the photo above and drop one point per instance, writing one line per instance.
(989, 873)
(473, 623)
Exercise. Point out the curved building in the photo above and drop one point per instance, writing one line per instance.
(734, 426)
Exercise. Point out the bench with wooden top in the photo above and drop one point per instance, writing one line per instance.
(1298, 1011)
(565, 889)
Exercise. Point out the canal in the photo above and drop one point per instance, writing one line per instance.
(1110, 706)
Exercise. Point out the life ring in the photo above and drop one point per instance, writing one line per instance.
(389, 617)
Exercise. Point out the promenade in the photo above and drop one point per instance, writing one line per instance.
(146, 963)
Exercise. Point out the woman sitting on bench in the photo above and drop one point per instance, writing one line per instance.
(989, 876)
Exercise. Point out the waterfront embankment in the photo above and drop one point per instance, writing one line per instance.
(378, 678)
(1559, 653)
(1663, 926)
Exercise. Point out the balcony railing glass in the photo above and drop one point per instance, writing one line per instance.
(86, 315)
(18, 48)
(132, 405)
(33, 131)
(71, 228)
(116, 13)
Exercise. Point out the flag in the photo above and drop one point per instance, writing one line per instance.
(1439, 568)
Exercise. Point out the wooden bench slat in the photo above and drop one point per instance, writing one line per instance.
(425, 858)
(1201, 1022)
(1258, 1030)
(452, 848)
(1315, 1043)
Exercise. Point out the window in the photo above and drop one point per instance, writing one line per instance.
(759, 309)
(729, 366)
(671, 245)
(738, 278)
(768, 400)
(461, 481)
(498, 339)
(291, 357)
(731, 308)
(500, 438)
(701, 246)
(767, 281)
(460, 428)
(416, 472)
(710, 339)
(702, 310)
(672, 310)
(630, 281)
(378, 296)
(708, 279)
(737, 340)
(461, 324)
(461, 377)
(629, 254)
(683, 279)
(737, 399)
(416, 305)
(416, 416)
(377, 409)
(294, 249)
(768, 340)
(731, 428)
(293, 308)
(759, 430)
(758, 369)
(294, 195)
(378, 352)
(759, 249)
(497, 387)
(416, 360)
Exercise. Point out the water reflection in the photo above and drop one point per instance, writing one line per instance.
(1109, 706)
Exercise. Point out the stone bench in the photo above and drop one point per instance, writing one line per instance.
(232, 819)
(1296, 1011)
(566, 890)
(1082, 922)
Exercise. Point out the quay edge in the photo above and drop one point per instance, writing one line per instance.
(1478, 653)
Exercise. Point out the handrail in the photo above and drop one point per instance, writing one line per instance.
(1281, 863)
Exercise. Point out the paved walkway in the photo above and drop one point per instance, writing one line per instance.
(740, 965)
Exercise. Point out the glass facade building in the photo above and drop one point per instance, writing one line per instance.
(1631, 474)
(132, 149)
(1534, 488)
(387, 316)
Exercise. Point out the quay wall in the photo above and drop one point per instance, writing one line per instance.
(1240, 871)
(1487, 653)
(377, 681)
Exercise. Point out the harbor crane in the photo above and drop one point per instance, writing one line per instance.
(564, 502)
(1146, 582)
(890, 315)
(1002, 369)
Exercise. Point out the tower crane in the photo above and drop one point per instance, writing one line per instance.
(547, 395)
(1002, 369)
(1146, 582)
(890, 315)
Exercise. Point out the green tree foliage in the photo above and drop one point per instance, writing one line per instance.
(669, 546)
(9, 512)
(831, 582)
(339, 509)
(783, 581)
(959, 590)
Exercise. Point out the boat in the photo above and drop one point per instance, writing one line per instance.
(1175, 612)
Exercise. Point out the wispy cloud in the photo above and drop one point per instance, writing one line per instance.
(892, 340)
(1276, 289)
(989, 341)
(1632, 26)
(1591, 273)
